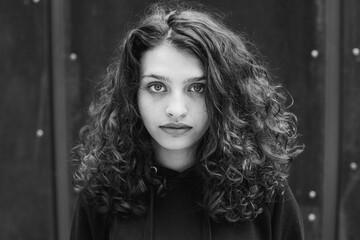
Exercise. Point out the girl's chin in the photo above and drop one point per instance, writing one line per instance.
(175, 146)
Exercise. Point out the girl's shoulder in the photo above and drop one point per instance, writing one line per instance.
(286, 217)
(88, 222)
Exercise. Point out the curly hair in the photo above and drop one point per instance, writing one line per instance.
(244, 156)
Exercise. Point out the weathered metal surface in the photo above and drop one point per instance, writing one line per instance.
(290, 34)
(26, 179)
(349, 194)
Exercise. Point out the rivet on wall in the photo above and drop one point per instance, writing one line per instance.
(73, 56)
(312, 217)
(312, 194)
(40, 133)
(356, 51)
(314, 53)
(353, 166)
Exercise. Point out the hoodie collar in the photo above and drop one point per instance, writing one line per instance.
(162, 178)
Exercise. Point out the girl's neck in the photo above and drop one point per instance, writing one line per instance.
(178, 160)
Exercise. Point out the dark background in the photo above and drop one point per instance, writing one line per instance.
(52, 53)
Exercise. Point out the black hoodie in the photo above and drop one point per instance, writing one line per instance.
(177, 215)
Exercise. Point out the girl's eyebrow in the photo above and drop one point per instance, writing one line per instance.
(195, 79)
(162, 78)
(166, 79)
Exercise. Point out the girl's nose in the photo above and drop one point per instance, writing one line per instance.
(176, 107)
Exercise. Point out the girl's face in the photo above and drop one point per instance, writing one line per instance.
(171, 98)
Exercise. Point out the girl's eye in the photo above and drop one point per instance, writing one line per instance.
(198, 88)
(157, 87)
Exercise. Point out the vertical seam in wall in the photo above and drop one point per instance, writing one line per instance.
(58, 82)
(331, 131)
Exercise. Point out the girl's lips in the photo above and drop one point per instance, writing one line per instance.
(175, 129)
(175, 125)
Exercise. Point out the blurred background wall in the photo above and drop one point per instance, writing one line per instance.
(52, 53)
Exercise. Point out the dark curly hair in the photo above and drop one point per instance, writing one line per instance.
(244, 156)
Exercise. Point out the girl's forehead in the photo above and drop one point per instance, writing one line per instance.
(170, 62)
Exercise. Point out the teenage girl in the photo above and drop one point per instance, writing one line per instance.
(187, 138)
